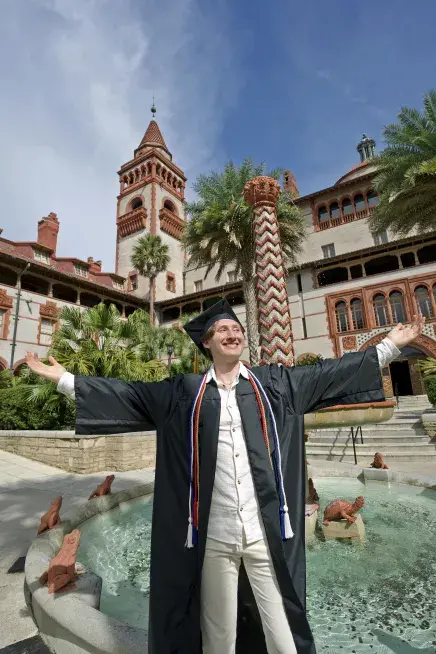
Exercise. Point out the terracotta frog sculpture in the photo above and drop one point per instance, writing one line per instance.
(378, 462)
(62, 568)
(104, 488)
(51, 517)
(343, 510)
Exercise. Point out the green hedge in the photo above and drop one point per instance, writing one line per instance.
(16, 412)
(430, 385)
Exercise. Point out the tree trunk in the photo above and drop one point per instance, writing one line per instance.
(249, 289)
(151, 300)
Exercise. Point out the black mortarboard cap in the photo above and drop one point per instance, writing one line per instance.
(198, 327)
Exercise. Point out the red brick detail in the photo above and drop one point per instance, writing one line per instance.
(48, 229)
(274, 314)
(3, 364)
(171, 224)
(349, 343)
(49, 310)
(132, 222)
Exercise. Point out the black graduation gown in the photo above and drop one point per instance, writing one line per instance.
(108, 406)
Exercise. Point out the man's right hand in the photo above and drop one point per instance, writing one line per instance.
(52, 372)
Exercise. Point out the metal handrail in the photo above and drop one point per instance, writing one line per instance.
(355, 432)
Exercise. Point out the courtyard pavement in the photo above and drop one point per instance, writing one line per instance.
(26, 488)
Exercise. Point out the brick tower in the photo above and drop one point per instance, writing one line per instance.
(151, 201)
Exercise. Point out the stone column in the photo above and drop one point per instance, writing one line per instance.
(273, 307)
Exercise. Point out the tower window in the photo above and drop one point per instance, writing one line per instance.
(341, 316)
(46, 331)
(328, 250)
(82, 271)
(380, 310)
(133, 282)
(136, 204)
(42, 256)
(2, 321)
(231, 276)
(171, 282)
(169, 206)
(198, 285)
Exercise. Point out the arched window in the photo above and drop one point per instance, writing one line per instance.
(357, 313)
(335, 212)
(136, 204)
(423, 301)
(397, 306)
(372, 198)
(341, 316)
(359, 202)
(169, 206)
(380, 310)
(322, 214)
(347, 207)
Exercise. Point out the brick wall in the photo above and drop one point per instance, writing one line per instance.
(64, 450)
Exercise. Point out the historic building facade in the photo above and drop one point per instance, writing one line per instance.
(346, 291)
(35, 284)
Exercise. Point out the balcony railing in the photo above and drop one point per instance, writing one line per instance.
(343, 219)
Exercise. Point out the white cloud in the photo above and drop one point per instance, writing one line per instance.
(77, 82)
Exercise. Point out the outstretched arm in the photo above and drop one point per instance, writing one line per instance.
(109, 406)
(353, 379)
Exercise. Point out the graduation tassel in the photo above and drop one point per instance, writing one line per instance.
(194, 481)
(285, 522)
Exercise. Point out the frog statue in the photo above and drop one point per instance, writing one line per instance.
(379, 462)
(51, 517)
(104, 488)
(343, 510)
(62, 568)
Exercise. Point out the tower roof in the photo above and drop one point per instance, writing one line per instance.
(153, 136)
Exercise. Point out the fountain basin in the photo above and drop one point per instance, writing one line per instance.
(362, 597)
(350, 415)
(70, 621)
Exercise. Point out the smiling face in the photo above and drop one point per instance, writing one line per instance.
(226, 340)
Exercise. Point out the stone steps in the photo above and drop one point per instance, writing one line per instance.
(402, 438)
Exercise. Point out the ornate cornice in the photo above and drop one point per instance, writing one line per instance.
(49, 310)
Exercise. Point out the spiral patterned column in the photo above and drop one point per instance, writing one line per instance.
(273, 307)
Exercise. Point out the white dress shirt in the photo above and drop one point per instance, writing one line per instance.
(234, 510)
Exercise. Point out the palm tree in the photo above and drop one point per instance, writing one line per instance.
(99, 342)
(406, 172)
(220, 232)
(150, 257)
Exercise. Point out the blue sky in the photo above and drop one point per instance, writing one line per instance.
(293, 84)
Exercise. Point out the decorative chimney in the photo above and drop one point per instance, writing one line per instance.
(94, 266)
(366, 148)
(290, 185)
(48, 228)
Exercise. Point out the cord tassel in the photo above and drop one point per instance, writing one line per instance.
(287, 528)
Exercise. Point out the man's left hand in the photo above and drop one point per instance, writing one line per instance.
(402, 335)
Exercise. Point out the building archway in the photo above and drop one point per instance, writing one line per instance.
(402, 376)
(3, 364)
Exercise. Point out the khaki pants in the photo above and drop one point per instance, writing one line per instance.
(219, 595)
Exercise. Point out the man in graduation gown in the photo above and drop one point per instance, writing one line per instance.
(230, 479)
